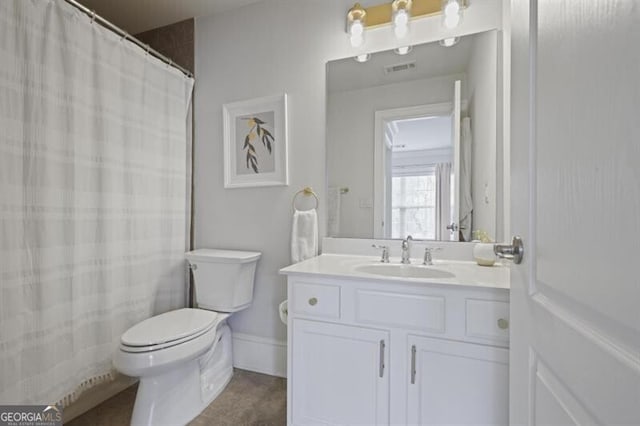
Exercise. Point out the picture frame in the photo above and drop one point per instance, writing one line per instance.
(256, 142)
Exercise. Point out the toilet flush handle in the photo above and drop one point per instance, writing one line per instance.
(193, 266)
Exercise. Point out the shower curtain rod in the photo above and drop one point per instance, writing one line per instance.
(127, 36)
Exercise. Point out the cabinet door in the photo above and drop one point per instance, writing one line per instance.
(457, 383)
(339, 374)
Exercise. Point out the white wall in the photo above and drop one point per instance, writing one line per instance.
(482, 97)
(267, 48)
(350, 141)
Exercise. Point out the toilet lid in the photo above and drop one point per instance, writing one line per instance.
(169, 327)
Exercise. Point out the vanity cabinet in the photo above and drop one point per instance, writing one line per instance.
(381, 352)
(457, 383)
(340, 374)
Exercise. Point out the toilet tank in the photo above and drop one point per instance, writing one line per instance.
(223, 279)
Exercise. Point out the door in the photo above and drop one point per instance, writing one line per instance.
(575, 299)
(340, 374)
(457, 383)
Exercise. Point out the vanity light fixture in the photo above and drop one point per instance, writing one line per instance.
(398, 14)
(448, 42)
(403, 50)
(362, 58)
(355, 25)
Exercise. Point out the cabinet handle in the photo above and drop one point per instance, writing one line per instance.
(503, 324)
(382, 345)
(413, 364)
(313, 301)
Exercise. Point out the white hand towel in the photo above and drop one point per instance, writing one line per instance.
(304, 235)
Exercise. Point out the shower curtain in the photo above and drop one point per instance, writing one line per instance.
(93, 189)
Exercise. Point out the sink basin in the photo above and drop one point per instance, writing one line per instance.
(404, 271)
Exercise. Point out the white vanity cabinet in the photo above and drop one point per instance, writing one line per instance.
(378, 352)
(340, 376)
(457, 383)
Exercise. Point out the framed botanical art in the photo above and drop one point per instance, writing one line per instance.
(255, 142)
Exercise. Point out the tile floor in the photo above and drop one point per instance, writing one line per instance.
(250, 399)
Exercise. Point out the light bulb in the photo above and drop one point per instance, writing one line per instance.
(401, 17)
(356, 27)
(401, 31)
(452, 7)
(356, 40)
(401, 23)
(451, 13)
(451, 21)
(363, 58)
(356, 33)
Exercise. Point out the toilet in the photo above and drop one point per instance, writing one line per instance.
(183, 358)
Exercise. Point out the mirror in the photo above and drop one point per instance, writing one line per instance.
(413, 142)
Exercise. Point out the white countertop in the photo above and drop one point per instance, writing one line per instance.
(344, 266)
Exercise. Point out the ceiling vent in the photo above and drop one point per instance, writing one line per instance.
(407, 66)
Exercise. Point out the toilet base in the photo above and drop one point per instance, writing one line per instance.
(178, 396)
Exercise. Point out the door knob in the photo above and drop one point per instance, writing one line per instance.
(513, 251)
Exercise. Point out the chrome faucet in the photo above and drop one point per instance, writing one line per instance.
(406, 250)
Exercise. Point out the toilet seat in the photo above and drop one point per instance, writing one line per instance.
(176, 343)
(168, 329)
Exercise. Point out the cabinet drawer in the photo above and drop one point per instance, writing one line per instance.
(487, 319)
(401, 310)
(316, 300)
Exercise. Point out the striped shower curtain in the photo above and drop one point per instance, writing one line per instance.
(93, 190)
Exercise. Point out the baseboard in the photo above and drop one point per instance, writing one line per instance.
(97, 395)
(260, 354)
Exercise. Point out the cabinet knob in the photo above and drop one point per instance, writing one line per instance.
(503, 324)
(313, 301)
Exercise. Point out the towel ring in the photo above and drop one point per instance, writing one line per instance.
(306, 191)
